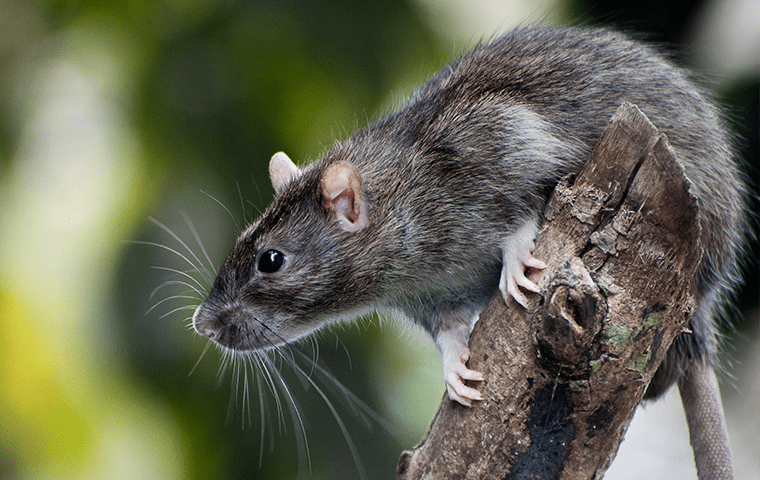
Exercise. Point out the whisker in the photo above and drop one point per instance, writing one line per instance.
(198, 240)
(341, 425)
(284, 343)
(165, 247)
(237, 224)
(234, 392)
(258, 192)
(298, 422)
(180, 272)
(261, 369)
(223, 365)
(262, 415)
(246, 390)
(258, 210)
(203, 354)
(242, 203)
(354, 400)
(202, 271)
(173, 297)
(178, 309)
(269, 381)
(291, 361)
(264, 361)
(174, 282)
(184, 273)
(314, 354)
(348, 355)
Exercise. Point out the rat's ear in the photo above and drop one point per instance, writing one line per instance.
(282, 170)
(342, 192)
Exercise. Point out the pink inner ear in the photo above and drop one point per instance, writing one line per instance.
(341, 191)
(344, 203)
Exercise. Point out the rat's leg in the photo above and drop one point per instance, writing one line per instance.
(452, 343)
(517, 254)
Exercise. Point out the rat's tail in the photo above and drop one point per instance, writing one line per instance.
(707, 426)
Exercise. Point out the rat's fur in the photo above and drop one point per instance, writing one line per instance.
(467, 161)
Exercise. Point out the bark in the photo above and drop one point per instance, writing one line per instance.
(564, 376)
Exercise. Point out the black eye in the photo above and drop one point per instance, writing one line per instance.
(271, 261)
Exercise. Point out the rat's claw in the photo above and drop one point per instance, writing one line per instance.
(452, 343)
(458, 391)
(511, 290)
(513, 273)
(533, 262)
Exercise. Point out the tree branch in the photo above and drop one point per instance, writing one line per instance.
(564, 376)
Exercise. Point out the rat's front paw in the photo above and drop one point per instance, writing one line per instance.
(455, 372)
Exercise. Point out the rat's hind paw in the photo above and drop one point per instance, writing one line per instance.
(518, 255)
(452, 344)
(454, 375)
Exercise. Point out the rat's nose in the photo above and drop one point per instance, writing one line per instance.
(220, 325)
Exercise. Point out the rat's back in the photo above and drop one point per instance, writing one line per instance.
(562, 86)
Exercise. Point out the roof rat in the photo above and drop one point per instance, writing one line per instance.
(433, 208)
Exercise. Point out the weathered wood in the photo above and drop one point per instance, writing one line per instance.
(564, 376)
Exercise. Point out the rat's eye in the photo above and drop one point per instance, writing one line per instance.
(271, 261)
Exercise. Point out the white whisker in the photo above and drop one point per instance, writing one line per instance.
(168, 283)
(262, 414)
(165, 247)
(198, 240)
(258, 210)
(173, 297)
(353, 399)
(203, 354)
(258, 192)
(341, 424)
(178, 309)
(203, 271)
(242, 203)
(246, 390)
(298, 422)
(237, 224)
(348, 355)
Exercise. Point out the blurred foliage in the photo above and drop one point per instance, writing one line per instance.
(115, 112)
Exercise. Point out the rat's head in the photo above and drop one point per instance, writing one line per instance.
(292, 269)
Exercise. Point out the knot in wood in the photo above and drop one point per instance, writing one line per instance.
(571, 319)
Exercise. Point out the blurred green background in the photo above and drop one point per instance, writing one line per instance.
(115, 113)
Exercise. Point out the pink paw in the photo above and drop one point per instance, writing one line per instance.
(452, 344)
(513, 273)
(455, 372)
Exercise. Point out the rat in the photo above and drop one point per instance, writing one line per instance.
(432, 209)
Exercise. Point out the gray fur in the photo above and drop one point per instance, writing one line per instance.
(470, 156)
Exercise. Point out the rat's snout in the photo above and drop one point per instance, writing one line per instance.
(226, 325)
(201, 324)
